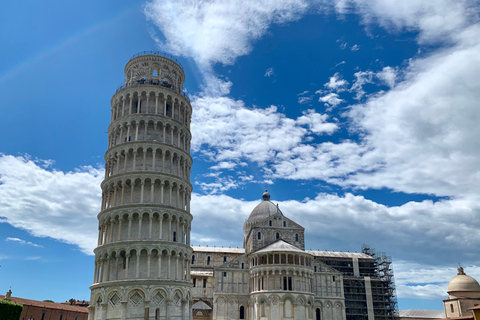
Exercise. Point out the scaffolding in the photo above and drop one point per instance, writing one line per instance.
(383, 285)
(377, 267)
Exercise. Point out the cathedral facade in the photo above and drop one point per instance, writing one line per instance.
(145, 267)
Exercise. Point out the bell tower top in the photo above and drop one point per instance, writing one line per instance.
(153, 67)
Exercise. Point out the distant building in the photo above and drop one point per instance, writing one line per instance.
(416, 314)
(41, 310)
(463, 295)
(463, 302)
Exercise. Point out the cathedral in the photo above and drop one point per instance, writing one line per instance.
(145, 266)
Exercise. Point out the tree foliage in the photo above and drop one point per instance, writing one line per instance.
(10, 310)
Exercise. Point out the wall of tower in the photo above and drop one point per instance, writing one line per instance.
(142, 261)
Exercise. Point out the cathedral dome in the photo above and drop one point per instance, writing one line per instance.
(463, 283)
(264, 209)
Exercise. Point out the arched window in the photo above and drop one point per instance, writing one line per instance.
(155, 73)
(259, 236)
(174, 236)
(193, 259)
(242, 312)
(208, 260)
(318, 315)
(270, 223)
(296, 237)
(277, 236)
(284, 224)
(157, 314)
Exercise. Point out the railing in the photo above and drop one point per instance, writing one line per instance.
(157, 53)
(155, 82)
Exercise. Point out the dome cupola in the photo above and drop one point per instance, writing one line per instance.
(264, 209)
(463, 285)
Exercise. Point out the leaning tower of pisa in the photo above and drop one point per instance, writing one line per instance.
(142, 268)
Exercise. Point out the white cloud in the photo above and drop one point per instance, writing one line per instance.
(331, 100)
(304, 97)
(336, 83)
(50, 203)
(269, 73)
(236, 132)
(21, 241)
(436, 20)
(355, 47)
(425, 131)
(216, 31)
(388, 75)
(361, 78)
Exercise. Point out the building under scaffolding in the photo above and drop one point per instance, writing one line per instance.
(368, 283)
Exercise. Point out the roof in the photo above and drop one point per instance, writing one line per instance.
(334, 254)
(205, 273)
(462, 283)
(264, 209)
(427, 314)
(47, 305)
(200, 305)
(279, 246)
(218, 249)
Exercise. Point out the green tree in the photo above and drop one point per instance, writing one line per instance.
(10, 310)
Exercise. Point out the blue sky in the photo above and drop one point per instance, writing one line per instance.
(361, 118)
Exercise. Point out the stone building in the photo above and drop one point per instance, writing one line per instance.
(44, 310)
(143, 253)
(273, 277)
(463, 294)
(145, 267)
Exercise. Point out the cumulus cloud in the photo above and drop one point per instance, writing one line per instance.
(21, 241)
(50, 203)
(235, 132)
(331, 100)
(336, 83)
(425, 129)
(215, 31)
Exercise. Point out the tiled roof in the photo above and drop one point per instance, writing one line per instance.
(49, 305)
(218, 249)
(418, 313)
(205, 273)
(280, 245)
(334, 254)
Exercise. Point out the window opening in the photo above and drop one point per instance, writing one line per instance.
(270, 223)
(259, 236)
(194, 282)
(296, 237)
(242, 312)
(277, 235)
(284, 223)
(208, 260)
(224, 259)
(193, 259)
(174, 236)
(204, 283)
